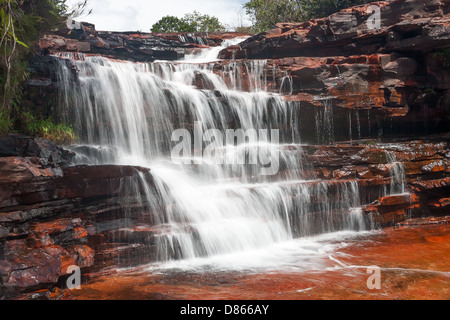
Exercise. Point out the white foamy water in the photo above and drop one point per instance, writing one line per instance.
(297, 255)
(211, 54)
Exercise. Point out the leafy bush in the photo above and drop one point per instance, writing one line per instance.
(323, 8)
(203, 22)
(264, 14)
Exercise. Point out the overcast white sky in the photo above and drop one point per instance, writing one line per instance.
(133, 15)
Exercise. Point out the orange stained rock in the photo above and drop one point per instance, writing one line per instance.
(414, 262)
(444, 202)
(395, 200)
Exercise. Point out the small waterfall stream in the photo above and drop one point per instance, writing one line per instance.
(218, 197)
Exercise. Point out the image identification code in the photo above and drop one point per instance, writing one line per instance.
(230, 309)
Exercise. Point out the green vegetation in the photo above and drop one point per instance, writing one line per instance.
(46, 128)
(203, 22)
(171, 24)
(6, 123)
(264, 14)
(444, 56)
(22, 23)
(191, 22)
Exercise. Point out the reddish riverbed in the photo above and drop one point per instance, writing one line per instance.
(414, 262)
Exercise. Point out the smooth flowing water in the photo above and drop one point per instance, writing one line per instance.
(231, 178)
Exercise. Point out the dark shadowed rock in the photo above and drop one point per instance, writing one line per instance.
(23, 146)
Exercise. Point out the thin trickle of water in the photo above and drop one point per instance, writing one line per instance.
(325, 122)
(356, 219)
(350, 126)
(380, 130)
(190, 37)
(397, 174)
(358, 123)
(286, 86)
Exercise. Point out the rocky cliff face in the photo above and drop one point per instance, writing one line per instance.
(398, 71)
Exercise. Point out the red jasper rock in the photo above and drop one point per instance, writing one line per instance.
(395, 200)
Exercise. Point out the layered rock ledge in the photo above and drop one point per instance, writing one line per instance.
(53, 215)
(134, 46)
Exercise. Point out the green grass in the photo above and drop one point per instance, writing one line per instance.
(47, 129)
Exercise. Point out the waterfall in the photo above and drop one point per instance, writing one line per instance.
(397, 175)
(209, 203)
(209, 55)
(324, 122)
(286, 85)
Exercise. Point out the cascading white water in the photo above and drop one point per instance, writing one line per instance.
(211, 54)
(127, 112)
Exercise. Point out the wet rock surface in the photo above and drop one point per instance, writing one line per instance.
(413, 262)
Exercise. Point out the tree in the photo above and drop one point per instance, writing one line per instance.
(169, 24)
(191, 22)
(264, 14)
(324, 8)
(203, 22)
